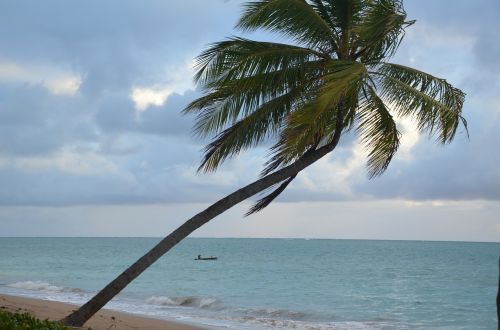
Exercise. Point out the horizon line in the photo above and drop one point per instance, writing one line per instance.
(281, 238)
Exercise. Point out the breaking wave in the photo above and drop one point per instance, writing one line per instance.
(197, 302)
(42, 287)
(279, 323)
(273, 313)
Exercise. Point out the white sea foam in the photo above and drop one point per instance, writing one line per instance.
(270, 312)
(41, 286)
(198, 302)
(277, 323)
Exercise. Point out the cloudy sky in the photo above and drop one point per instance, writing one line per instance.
(92, 142)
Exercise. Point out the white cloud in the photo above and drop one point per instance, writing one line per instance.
(178, 81)
(148, 96)
(68, 85)
(457, 205)
(57, 80)
(411, 203)
(10, 71)
(410, 137)
(438, 203)
(334, 175)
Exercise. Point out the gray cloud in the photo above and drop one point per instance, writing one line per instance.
(94, 147)
(33, 121)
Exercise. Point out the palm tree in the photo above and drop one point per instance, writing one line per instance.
(332, 77)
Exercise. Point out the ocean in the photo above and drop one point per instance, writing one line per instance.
(270, 283)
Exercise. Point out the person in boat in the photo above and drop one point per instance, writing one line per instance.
(206, 258)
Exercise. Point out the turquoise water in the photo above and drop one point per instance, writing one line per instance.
(271, 283)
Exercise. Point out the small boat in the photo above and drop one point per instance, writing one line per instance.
(205, 258)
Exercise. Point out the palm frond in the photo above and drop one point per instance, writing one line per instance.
(240, 75)
(265, 201)
(240, 57)
(381, 31)
(378, 132)
(316, 120)
(346, 14)
(325, 11)
(249, 131)
(239, 97)
(291, 18)
(434, 103)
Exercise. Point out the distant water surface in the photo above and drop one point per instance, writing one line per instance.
(270, 283)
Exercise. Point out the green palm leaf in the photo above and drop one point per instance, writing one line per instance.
(381, 31)
(239, 57)
(263, 123)
(316, 120)
(292, 18)
(434, 103)
(241, 75)
(378, 132)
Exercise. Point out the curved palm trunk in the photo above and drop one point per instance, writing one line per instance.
(79, 317)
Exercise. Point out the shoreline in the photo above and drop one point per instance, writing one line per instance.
(103, 320)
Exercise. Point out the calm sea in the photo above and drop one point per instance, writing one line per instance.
(270, 283)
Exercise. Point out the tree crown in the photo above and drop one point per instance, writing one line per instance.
(333, 77)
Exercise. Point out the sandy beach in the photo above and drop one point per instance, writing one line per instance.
(104, 320)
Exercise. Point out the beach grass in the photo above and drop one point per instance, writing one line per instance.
(25, 321)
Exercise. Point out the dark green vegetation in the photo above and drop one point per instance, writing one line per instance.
(15, 321)
(303, 96)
